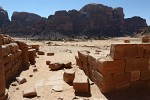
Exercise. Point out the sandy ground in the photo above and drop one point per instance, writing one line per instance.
(42, 79)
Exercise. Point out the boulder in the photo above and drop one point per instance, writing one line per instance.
(69, 75)
(29, 92)
(81, 83)
(55, 66)
(21, 80)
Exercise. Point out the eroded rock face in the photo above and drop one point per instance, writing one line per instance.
(90, 20)
(25, 23)
(3, 17)
(135, 23)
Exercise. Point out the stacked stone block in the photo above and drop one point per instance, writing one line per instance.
(2, 74)
(32, 55)
(127, 66)
(24, 55)
(11, 59)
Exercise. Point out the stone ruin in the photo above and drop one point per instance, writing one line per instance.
(14, 57)
(126, 66)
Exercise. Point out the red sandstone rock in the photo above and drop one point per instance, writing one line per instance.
(81, 83)
(69, 75)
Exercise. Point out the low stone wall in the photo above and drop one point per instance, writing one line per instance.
(11, 57)
(126, 66)
(14, 57)
(12, 60)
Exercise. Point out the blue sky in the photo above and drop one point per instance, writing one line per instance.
(47, 7)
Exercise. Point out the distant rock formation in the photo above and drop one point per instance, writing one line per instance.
(25, 23)
(3, 17)
(91, 20)
(135, 23)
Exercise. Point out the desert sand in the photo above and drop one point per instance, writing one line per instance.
(44, 79)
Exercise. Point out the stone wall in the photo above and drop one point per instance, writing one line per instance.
(126, 66)
(14, 57)
(11, 58)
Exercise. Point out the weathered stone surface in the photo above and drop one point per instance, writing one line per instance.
(135, 23)
(108, 66)
(55, 66)
(69, 75)
(136, 64)
(81, 83)
(90, 20)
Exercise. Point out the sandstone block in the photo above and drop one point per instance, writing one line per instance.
(135, 75)
(67, 64)
(32, 54)
(41, 53)
(130, 50)
(138, 84)
(141, 50)
(136, 64)
(48, 62)
(69, 75)
(145, 75)
(103, 79)
(121, 78)
(55, 66)
(25, 58)
(92, 61)
(30, 92)
(81, 83)
(21, 80)
(147, 50)
(83, 56)
(50, 54)
(117, 51)
(106, 88)
(108, 66)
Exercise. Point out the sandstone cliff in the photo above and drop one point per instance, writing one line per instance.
(91, 20)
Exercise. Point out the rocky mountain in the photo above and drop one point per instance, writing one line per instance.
(3, 17)
(91, 20)
(24, 23)
(135, 23)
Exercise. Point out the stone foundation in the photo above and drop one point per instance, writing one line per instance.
(14, 57)
(126, 66)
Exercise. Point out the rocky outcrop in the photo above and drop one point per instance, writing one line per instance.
(91, 20)
(24, 23)
(135, 23)
(60, 22)
(3, 17)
